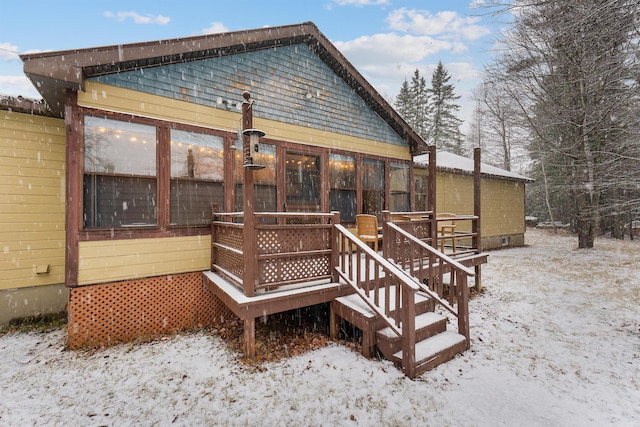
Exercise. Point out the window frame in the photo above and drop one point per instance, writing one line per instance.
(162, 227)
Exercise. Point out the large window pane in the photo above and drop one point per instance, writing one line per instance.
(399, 187)
(120, 186)
(264, 180)
(420, 190)
(373, 181)
(303, 182)
(342, 183)
(197, 177)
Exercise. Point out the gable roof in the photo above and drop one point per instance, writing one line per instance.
(449, 162)
(52, 73)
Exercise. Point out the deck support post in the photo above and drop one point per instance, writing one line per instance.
(334, 322)
(250, 338)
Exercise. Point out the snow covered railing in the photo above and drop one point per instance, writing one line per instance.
(387, 290)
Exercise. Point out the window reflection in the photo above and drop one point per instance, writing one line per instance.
(197, 177)
(119, 180)
(373, 181)
(399, 187)
(342, 183)
(265, 184)
(303, 182)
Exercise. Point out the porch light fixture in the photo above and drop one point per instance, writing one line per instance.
(254, 147)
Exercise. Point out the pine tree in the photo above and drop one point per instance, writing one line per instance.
(404, 101)
(444, 125)
(411, 103)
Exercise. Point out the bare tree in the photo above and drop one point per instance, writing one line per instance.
(503, 131)
(572, 69)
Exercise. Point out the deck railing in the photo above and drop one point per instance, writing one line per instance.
(387, 290)
(437, 274)
(282, 248)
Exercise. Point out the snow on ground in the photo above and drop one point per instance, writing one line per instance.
(555, 342)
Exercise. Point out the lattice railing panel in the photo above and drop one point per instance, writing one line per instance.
(229, 236)
(230, 261)
(293, 239)
(279, 270)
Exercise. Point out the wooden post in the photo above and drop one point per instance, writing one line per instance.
(432, 195)
(408, 332)
(462, 295)
(250, 249)
(335, 247)
(386, 237)
(250, 338)
(476, 229)
(74, 124)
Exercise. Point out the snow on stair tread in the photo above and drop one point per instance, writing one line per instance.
(355, 302)
(429, 348)
(422, 321)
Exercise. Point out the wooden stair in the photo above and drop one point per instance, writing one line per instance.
(434, 343)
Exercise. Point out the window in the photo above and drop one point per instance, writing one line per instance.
(120, 185)
(342, 183)
(197, 177)
(373, 186)
(420, 190)
(303, 182)
(264, 180)
(399, 187)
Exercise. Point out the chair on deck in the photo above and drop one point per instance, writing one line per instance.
(446, 229)
(368, 230)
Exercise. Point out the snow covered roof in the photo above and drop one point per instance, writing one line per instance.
(446, 161)
(23, 105)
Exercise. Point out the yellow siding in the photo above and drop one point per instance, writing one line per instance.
(502, 207)
(32, 208)
(99, 95)
(502, 202)
(114, 260)
(454, 193)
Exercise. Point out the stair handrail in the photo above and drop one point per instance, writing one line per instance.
(462, 313)
(405, 280)
(458, 266)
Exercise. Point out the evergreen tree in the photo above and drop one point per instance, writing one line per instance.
(411, 103)
(444, 125)
(404, 101)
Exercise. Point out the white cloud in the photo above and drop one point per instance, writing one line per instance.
(393, 48)
(8, 52)
(215, 27)
(476, 4)
(360, 3)
(18, 85)
(446, 23)
(137, 18)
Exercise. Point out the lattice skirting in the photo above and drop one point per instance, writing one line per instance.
(109, 313)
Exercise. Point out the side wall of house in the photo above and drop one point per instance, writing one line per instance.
(502, 206)
(32, 212)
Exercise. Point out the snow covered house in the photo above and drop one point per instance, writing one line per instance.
(192, 178)
(502, 197)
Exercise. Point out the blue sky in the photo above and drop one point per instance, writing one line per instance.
(386, 40)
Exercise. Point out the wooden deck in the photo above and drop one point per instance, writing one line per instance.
(277, 262)
(283, 299)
